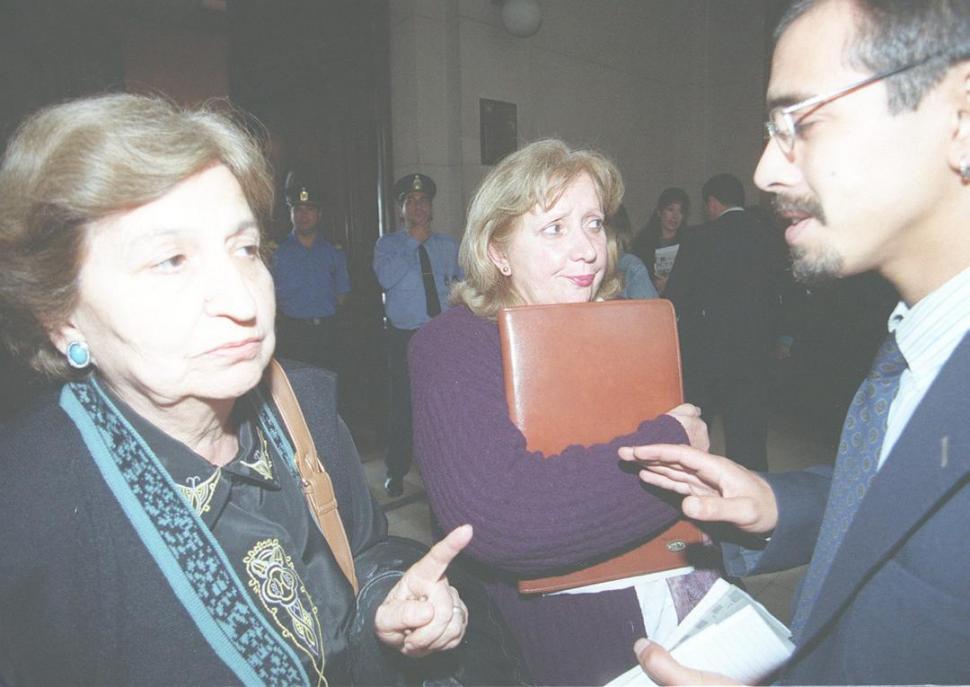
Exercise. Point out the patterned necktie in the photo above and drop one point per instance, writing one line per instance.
(430, 290)
(855, 466)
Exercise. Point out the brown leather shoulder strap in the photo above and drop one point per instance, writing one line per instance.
(317, 486)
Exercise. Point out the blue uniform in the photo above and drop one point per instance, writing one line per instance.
(398, 269)
(308, 280)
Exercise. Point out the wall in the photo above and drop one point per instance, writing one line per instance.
(672, 90)
(188, 66)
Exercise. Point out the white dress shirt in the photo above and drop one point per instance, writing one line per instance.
(927, 335)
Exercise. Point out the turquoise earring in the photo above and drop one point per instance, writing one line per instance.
(78, 355)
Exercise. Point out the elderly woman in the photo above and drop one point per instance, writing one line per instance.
(535, 235)
(154, 527)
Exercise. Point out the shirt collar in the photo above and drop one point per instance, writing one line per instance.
(403, 230)
(252, 460)
(929, 331)
(295, 242)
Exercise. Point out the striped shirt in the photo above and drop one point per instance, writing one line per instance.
(927, 335)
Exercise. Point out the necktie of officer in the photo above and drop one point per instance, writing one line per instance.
(855, 466)
(430, 289)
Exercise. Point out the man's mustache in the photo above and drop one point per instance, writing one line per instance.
(798, 207)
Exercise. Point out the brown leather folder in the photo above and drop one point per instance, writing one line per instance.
(585, 373)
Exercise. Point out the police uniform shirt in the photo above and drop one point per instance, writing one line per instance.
(308, 280)
(398, 269)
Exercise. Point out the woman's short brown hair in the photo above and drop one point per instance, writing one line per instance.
(72, 164)
(535, 175)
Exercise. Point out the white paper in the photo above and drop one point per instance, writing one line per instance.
(626, 582)
(657, 608)
(727, 632)
(664, 260)
(742, 647)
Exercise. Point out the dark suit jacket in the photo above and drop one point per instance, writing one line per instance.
(895, 607)
(721, 288)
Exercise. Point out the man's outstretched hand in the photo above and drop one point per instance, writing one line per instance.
(715, 488)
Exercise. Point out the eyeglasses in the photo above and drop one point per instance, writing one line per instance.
(781, 125)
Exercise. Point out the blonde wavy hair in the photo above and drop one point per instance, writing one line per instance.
(535, 175)
(72, 164)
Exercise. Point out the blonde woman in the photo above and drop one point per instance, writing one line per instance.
(536, 234)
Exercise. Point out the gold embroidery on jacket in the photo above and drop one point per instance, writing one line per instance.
(276, 583)
(199, 493)
(263, 465)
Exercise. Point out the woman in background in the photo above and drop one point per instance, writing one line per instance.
(658, 240)
(536, 235)
(636, 276)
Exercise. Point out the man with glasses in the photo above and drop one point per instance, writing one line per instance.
(870, 162)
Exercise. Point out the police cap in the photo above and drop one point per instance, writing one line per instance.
(300, 190)
(414, 182)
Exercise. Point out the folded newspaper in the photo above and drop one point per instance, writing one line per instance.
(727, 632)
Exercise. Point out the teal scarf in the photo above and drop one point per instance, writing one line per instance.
(183, 547)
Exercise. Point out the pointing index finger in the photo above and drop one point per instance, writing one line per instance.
(433, 565)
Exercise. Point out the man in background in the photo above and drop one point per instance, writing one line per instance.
(721, 287)
(415, 267)
(311, 281)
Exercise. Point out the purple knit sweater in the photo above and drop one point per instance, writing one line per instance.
(531, 515)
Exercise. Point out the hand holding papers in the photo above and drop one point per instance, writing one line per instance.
(728, 633)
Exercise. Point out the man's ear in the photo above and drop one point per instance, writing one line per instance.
(713, 207)
(959, 157)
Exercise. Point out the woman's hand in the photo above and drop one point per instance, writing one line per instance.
(689, 416)
(423, 613)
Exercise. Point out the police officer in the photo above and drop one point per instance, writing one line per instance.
(415, 267)
(311, 280)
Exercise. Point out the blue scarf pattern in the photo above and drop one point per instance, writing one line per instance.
(182, 546)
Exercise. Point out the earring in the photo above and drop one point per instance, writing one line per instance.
(506, 270)
(964, 170)
(78, 355)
